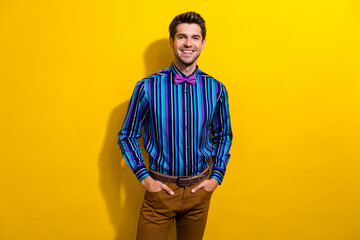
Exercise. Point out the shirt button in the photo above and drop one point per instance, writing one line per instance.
(186, 147)
(185, 109)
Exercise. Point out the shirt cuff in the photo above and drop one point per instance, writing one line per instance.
(141, 172)
(218, 174)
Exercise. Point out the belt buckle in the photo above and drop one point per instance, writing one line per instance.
(180, 185)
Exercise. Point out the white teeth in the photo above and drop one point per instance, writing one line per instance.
(187, 51)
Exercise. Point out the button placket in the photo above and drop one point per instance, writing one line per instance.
(185, 128)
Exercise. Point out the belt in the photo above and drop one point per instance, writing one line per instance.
(180, 181)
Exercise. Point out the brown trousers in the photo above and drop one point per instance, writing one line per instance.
(159, 209)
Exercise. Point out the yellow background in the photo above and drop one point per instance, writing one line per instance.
(67, 71)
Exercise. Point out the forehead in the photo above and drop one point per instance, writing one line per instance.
(188, 29)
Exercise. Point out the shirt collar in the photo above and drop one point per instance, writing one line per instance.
(175, 71)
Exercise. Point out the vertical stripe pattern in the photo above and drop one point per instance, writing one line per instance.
(184, 125)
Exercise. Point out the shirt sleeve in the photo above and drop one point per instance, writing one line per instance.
(222, 136)
(136, 115)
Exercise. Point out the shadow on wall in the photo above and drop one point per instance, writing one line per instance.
(121, 190)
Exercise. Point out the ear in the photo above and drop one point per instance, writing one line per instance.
(203, 44)
(171, 41)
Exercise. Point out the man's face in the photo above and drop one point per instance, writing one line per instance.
(187, 43)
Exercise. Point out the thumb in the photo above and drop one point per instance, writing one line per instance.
(201, 185)
(169, 190)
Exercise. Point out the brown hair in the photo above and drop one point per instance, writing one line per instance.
(188, 17)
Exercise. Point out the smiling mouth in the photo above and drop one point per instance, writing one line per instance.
(187, 52)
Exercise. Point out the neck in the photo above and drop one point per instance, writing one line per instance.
(185, 69)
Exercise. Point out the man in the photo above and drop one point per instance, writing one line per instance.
(179, 107)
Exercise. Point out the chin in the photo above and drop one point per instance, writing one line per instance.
(187, 62)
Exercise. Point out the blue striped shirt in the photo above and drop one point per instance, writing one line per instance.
(184, 125)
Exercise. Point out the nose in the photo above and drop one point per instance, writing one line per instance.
(188, 42)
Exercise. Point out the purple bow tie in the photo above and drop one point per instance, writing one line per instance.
(179, 79)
